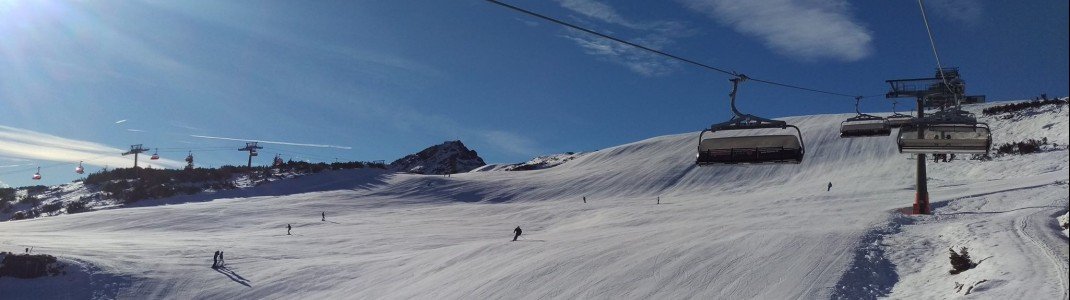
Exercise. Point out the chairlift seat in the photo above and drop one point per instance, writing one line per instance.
(896, 121)
(946, 139)
(865, 127)
(750, 150)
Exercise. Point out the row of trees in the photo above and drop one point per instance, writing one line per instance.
(1013, 107)
(131, 185)
(1023, 147)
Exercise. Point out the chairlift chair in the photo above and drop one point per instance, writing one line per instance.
(79, 169)
(37, 176)
(945, 132)
(864, 125)
(155, 155)
(897, 119)
(749, 149)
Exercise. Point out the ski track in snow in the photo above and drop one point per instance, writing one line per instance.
(727, 232)
(1034, 227)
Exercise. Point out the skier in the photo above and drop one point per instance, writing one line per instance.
(215, 260)
(221, 261)
(288, 229)
(323, 216)
(517, 231)
(830, 186)
(584, 199)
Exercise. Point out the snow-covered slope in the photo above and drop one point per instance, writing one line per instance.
(446, 158)
(537, 163)
(725, 232)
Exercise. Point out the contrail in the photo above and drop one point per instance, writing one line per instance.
(120, 121)
(271, 142)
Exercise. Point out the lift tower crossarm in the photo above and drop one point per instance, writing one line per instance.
(135, 150)
(250, 147)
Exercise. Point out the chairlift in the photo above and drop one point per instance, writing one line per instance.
(897, 119)
(945, 132)
(37, 176)
(79, 169)
(155, 155)
(749, 149)
(252, 152)
(864, 125)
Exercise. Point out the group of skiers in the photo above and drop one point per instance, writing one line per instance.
(217, 260)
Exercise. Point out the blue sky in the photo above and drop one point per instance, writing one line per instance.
(375, 80)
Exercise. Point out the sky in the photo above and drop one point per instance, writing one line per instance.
(377, 80)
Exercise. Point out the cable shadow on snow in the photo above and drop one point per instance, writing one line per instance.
(233, 276)
(933, 206)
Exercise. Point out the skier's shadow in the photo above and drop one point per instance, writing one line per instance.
(233, 276)
(531, 241)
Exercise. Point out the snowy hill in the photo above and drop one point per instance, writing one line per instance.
(446, 158)
(118, 188)
(725, 232)
(537, 163)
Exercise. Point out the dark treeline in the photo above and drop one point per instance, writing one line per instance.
(1023, 147)
(131, 185)
(1013, 107)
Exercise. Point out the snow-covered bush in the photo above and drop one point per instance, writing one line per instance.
(29, 266)
(960, 262)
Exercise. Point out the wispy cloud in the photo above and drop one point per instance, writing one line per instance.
(803, 29)
(271, 142)
(636, 60)
(653, 34)
(120, 121)
(968, 12)
(37, 146)
(135, 130)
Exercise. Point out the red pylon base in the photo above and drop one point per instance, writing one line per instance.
(921, 205)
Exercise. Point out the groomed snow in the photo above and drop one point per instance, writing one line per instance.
(725, 232)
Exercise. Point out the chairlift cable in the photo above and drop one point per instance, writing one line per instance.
(663, 53)
(932, 43)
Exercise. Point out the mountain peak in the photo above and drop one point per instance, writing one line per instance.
(448, 157)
